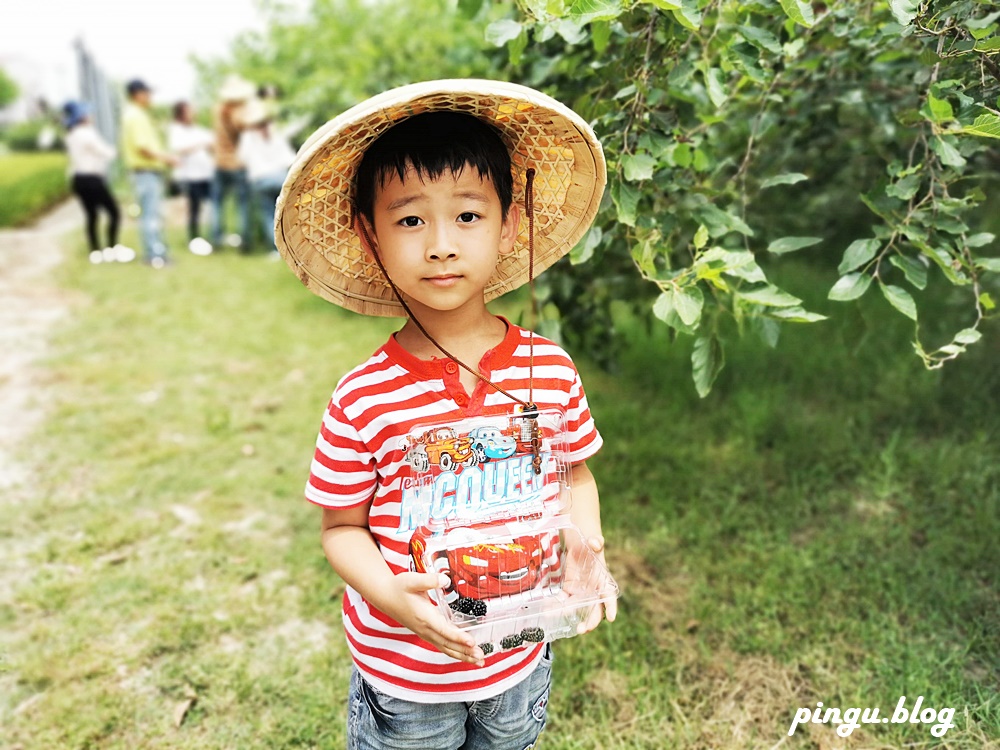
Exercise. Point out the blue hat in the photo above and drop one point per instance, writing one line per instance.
(136, 85)
(74, 113)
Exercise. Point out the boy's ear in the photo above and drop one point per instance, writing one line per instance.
(509, 230)
(361, 233)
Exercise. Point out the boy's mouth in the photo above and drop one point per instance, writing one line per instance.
(444, 280)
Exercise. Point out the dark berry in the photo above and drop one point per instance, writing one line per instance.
(469, 606)
(533, 635)
(511, 641)
(487, 648)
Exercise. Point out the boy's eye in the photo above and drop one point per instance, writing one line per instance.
(468, 217)
(411, 221)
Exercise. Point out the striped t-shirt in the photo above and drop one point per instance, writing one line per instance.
(359, 458)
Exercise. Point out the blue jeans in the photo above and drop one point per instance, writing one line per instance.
(148, 187)
(230, 181)
(509, 721)
(266, 190)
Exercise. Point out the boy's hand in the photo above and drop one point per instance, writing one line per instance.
(413, 609)
(610, 608)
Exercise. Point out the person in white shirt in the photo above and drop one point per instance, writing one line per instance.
(192, 144)
(265, 151)
(89, 157)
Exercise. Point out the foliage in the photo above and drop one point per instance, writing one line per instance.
(808, 540)
(738, 132)
(8, 89)
(29, 184)
(31, 135)
(339, 52)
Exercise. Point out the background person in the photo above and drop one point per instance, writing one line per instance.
(192, 145)
(89, 157)
(265, 151)
(230, 174)
(146, 159)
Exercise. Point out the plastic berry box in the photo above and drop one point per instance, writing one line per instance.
(494, 495)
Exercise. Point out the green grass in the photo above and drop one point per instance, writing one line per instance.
(30, 183)
(822, 528)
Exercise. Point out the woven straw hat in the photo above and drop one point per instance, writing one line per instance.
(313, 221)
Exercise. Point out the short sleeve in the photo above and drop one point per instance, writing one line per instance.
(342, 474)
(581, 433)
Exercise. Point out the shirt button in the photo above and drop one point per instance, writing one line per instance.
(451, 368)
(461, 400)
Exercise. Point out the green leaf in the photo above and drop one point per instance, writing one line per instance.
(600, 35)
(666, 4)
(638, 166)
(981, 239)
(626, 200)
(761, 38)
(707, 360)
(517, 46)
(900, 299)
(989, 264)
(768, 330)
(904, 11)
(988, 45)
(987, 301)
(981, 23)
(688, 16)
(720, 222)
(905, 188)
(500, 32)
(849, 287)
(948, 154)
(791, 244)
(585, 248)
(689, 302)
(770, 296)
(795, 315)
(938, 110)
(789, 178)
(987, 126)
(700, 237)
(913, 269)
(968, 336)
(799, 12)
(470, 8)
(716, 88)
(857, 254)
(585, 11)
(665, 310)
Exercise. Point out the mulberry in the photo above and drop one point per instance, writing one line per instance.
(469, 606)
(511, 641)
(487, 648)
(533, 635)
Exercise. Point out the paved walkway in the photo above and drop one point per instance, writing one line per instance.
(31, 304)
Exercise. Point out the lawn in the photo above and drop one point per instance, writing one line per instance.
(30, 183)
(822, 528)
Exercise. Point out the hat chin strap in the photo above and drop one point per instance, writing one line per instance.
(529, 409)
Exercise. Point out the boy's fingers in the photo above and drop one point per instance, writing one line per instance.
(611, 609)
(596, 543)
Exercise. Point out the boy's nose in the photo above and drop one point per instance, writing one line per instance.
(441, 246)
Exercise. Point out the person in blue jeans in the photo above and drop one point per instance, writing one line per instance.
(230, 173)
(146, 159)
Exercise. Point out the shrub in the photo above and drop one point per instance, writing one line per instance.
(30, 183)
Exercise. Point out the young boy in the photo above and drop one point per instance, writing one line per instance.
(411, 203)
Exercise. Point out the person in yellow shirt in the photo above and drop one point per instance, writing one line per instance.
(146, 159)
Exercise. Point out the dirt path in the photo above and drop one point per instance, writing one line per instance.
(31, 304)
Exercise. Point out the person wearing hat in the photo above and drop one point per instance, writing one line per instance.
(146, 160)
(230, 173)
(89, 157)
(426, 202)
(265, 151)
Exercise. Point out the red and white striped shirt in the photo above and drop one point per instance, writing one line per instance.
(358, 459)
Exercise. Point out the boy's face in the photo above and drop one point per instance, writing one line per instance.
(440, 239)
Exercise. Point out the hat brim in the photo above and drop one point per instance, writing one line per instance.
(313, 219)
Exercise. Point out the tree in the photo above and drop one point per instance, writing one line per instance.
(8, 89)
(738, 132)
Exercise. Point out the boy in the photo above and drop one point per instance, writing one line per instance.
(409, 203)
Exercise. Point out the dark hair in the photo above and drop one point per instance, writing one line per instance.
(432, 143)
(179, 108)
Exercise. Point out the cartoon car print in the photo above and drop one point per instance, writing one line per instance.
(440, 446)
(482, 571)
(490, 443)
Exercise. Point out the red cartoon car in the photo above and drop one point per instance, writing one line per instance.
(488, 570)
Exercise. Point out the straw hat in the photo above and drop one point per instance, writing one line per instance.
(236, 89)
(255, 112)
(313, 221)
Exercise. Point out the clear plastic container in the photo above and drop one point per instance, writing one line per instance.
(494, 494)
